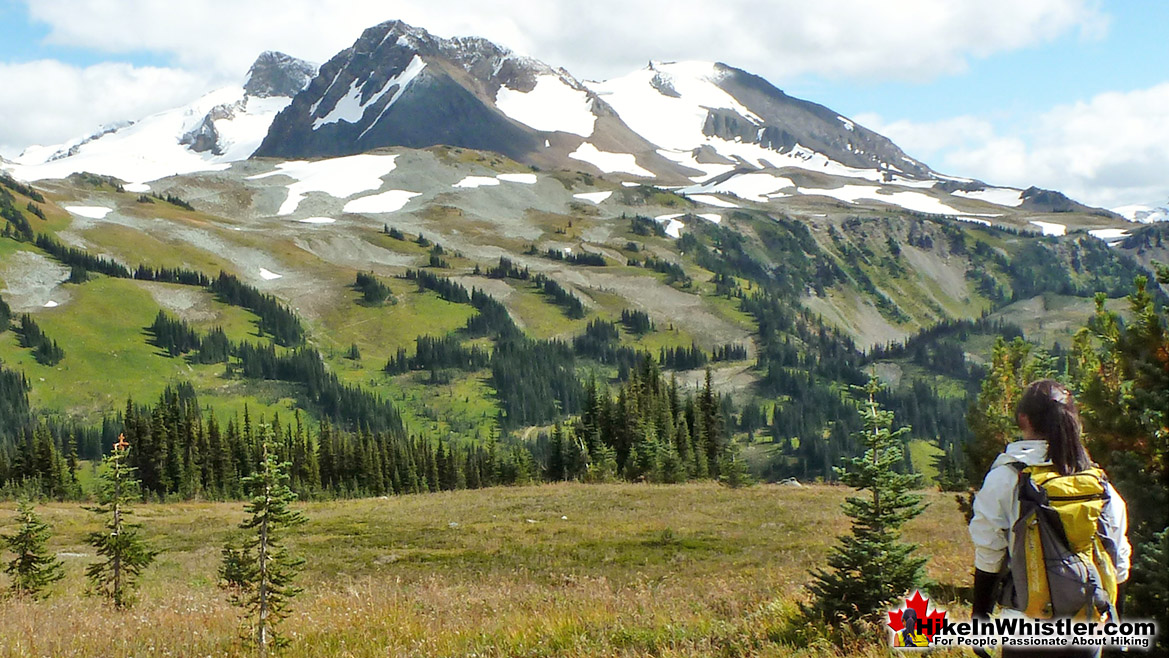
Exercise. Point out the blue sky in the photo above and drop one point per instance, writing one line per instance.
(1048, 92)
(1132, 54)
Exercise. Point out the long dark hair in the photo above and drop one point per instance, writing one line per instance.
(909, 618)
(1052, 412)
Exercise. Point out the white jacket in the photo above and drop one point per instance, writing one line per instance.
(996, 508)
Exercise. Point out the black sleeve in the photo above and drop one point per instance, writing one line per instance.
(984, 587)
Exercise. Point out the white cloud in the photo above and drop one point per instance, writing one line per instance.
(898, 39)
(1110, 150)
(47, 102)
(925, 140)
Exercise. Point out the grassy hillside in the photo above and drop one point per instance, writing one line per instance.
(554, 570)
(108, 358)
(802, 287)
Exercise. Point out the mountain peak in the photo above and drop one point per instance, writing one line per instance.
(386, 88)
(277, 74)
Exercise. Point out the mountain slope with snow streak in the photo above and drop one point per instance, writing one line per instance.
(712, 118)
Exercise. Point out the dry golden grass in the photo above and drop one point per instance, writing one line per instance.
(554, 570)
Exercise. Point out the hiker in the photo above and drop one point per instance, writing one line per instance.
(909, 636)
(1050, 460)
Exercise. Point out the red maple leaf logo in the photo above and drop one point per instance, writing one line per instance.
(930, 622)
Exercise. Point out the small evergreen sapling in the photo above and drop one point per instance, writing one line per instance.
(33, 568)
(123, 551)
(732, 468)
(260, 573)
(872, 566)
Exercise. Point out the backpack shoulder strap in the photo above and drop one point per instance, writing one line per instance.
(1005, 586)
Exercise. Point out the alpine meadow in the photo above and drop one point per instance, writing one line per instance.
(434, 349)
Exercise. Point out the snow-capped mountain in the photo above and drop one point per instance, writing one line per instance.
(706, 128)
(399, 85)
(715, 118)
(1143, 213)
(223, 126)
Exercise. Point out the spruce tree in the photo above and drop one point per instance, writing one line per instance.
(556, 470)
(871, 566)
(262, 570)
(732, 468)
(33, 568)
(1120, 368)
(123, 551)
(992, 416)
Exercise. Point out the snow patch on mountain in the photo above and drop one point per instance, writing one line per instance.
(339, 177)
(1000, 196)
(92, 212)
(350, 108)
(909, 200)
(526, 179)
(755, 186)
(389, 201)
(594, 197)
(712, 200)
(673, 225)
(1050, 228)
(608, 162)
(552, 105)
(477, 181)
(1109, 234)
(673, 120)
(688, 159)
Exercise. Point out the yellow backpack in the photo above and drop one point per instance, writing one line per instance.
(1062, 561)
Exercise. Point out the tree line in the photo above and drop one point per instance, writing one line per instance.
(648, 429)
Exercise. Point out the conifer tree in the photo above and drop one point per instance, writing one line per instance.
(1121, 371)
(992, 416)
(670, 467)
(871, 566)
(556, 470)
(33, 568)
(262, 571)
(123, 551)
(732, 468)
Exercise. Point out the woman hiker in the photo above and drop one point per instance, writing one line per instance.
(1048, 467)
